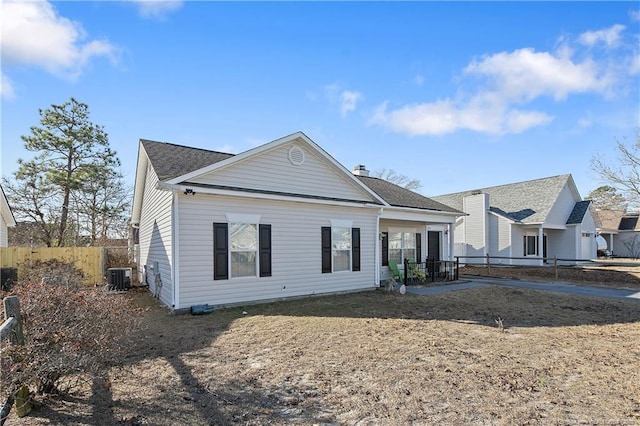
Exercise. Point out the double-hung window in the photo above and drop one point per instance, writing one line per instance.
(530, 245)
(241, 249)
(403, 245)
(243, 244)
(340, 248)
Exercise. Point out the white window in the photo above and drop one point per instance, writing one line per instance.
(243, 238)
(531, 245)
(341, 248)
(402, 245)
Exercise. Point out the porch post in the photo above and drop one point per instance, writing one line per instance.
(540, 245)
(378, 251)
(451, 241)
(611, 244)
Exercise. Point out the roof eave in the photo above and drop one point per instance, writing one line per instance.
(139, 186)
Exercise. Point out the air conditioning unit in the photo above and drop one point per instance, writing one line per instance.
(119, 279)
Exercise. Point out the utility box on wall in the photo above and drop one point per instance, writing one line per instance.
(119, 279)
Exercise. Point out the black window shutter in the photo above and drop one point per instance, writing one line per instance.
(265, 250)
(419, 247)
(355, 249)
(524, 246)
(220, 251)
(326, 249)
(385, 249)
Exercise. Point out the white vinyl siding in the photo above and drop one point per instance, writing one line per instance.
(499, 238)
(313, 177)
(295, 243)
(155, 237)
(561, 209)
(4, 239)
(476, 232)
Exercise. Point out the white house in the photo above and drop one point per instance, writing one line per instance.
(621, 231)
(6, 219)
(281, 220)
(531, 220)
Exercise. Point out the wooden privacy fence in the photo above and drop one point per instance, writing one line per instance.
(90, 260)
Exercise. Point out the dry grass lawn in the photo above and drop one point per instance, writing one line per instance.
(374, 358)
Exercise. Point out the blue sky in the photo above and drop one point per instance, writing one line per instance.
(458, 95)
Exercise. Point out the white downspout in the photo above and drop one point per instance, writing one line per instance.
(175, 249)
(378, 254)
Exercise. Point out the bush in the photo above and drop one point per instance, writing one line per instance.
(67, 332)
(53, 271)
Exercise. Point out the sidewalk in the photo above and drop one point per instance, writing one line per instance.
(555, 287)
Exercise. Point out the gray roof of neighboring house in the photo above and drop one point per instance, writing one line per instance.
(402, 197)
(526, 202)
(579, 210)
(629, 223)
(170, 161)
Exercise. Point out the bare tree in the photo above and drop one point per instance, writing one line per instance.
(624, 173)
(607, 198)
(390, 175)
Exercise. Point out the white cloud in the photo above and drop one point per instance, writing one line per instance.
(634, 15)
(443, 117)
(157, 9)
(585, 122)
(6, 87)
(349, 101)
(418, 80)
(504, 83)
(346, 99)
(526, 74)
(609, 36)
(33, 34)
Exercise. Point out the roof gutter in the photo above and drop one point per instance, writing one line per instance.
(239, 193)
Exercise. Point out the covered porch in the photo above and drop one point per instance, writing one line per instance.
(416, 250)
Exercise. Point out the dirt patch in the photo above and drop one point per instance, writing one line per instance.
(613, 276)
(374, 358)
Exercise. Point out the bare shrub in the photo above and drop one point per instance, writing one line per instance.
(53, 271)
(118, 257)
(68, 332)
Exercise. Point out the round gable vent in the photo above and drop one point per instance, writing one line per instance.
(296, 155)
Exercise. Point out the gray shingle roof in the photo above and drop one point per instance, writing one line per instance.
(170, 161)
(527, 202)
(401, 197)
(579, 210)
(629, 223)
(608, 220)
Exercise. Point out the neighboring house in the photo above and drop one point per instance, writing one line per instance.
(6, 219)
(281, 220)
(621, 231)
(542, 218)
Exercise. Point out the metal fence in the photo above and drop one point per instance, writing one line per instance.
(429, 271)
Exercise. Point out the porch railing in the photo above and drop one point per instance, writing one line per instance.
(429, 271)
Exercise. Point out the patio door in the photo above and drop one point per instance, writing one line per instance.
(433, 245)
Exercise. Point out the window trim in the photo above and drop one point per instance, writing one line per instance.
(222, 250)
(527, 246)
(327, 251)
(417, 249)
(255, 251)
